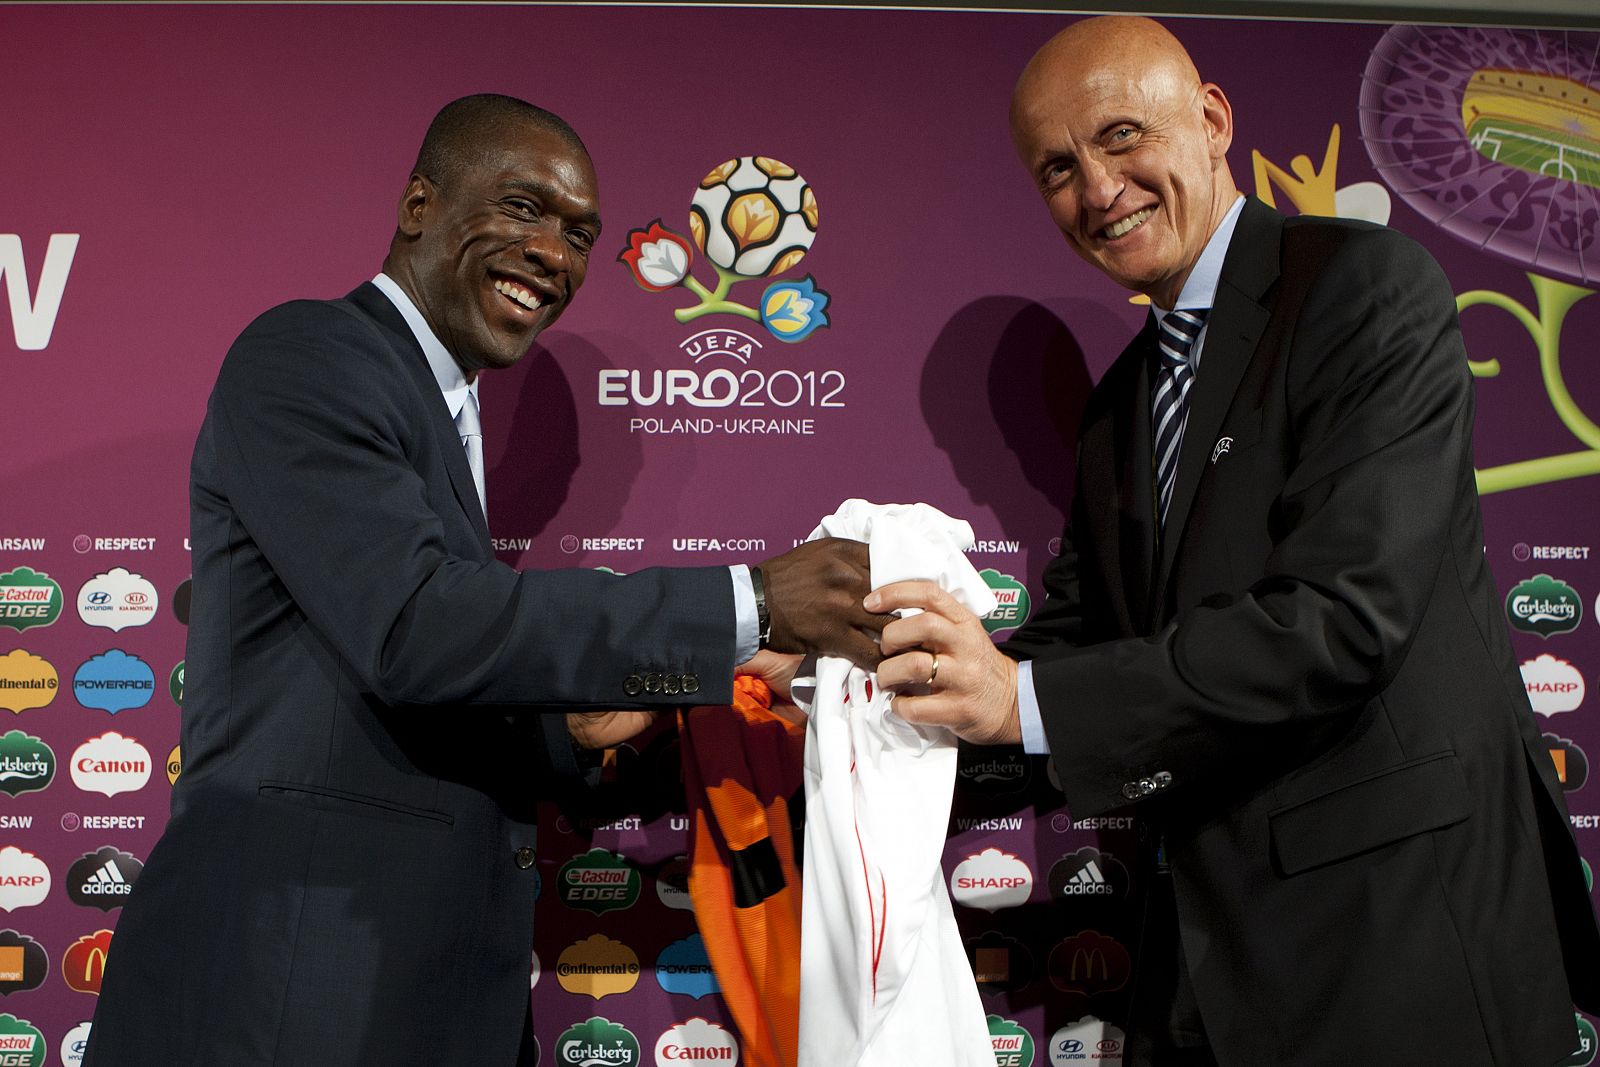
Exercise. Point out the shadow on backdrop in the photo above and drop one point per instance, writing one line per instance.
(543, 464)
(1013, 452)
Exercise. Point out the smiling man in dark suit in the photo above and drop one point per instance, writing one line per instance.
(1271, 626)
(374, 703)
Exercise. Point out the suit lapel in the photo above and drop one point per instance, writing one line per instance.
(1234, 327)
(369, 299)
(1119, 503)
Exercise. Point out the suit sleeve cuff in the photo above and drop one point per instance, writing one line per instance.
(1031, 720)
(746, 637)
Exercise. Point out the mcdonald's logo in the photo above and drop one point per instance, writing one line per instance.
(1089, 964)
(85, 961)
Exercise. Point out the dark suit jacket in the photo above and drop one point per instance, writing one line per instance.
(344, 881)
(1309, 684)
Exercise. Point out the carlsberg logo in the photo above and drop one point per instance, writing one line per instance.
(1543, 605)
(598, 1042)
(27, 764)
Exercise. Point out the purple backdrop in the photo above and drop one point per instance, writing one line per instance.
(214, 162)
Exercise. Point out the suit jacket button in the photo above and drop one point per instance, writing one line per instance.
(524, 857)
(1162, 779)
(1131, 790)
(633, 685)
(670, 685)
(652, 683)
(691, 683)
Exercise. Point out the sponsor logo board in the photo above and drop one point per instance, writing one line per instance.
(103, 879)
(1554, 685)
(24, 879)
(597, 967)
(1013, 1045)
(1012, 603)
(114, 681)
(597, 1042)
(84, 962)
(1088, 875)
(27, 764)
(599, 881)
(110, 764)
(1544, 606)
(1001, 964)
(684, 968)
(26, 681)
(1089, 1040)
(1572, 763)
(696, 1040)
(21, 1043)
(117, 600)
(28, 598)
(1088, 964)
(991, 880)
(23, 963)
(74, 1044)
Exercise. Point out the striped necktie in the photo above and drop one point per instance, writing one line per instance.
(471, 431)
(1169, 404)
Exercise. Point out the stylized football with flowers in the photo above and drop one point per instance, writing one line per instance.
(754, 216)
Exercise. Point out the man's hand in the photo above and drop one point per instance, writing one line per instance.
(943, 668)
(605, 729)
(814, 596)
(777, 670)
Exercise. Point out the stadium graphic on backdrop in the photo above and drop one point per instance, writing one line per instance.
(752, 217)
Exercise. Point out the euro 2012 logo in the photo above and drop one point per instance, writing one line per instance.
(752, 217)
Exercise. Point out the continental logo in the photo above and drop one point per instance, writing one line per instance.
(1089, 964)
(84, 963)
(597, 1042)
(28, 598)
(27, 764)
(26, 681)
(597, 967)
(1544, 606)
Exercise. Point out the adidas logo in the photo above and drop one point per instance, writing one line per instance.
(106, 882)
(1089, 882)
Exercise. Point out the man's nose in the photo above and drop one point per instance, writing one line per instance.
(545, 244)
(1102, 183)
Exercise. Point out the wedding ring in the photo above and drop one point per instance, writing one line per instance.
(935, 672)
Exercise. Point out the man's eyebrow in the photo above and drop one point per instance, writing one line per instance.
(547, 192)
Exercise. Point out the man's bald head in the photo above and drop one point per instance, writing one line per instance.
(1128, 147)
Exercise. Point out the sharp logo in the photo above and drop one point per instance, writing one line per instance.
(33, 315)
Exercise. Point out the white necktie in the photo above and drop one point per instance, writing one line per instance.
(471, 431)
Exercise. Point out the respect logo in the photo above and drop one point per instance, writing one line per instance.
(27, 764)
(597, 1042)
(599, 881)
(117, 600)
(1544, 605)
(1012, 603)
(114, 681)
(28, 598)
(26, 681)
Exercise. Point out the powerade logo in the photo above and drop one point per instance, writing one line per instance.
(597, 1042)
(1543, 605)
(27, 764)
(1013, 1046)
(1012, 603)
(103, 879)
(26, 681)
(684, 968)
(114, 681)
(28, 598)
(23, 963)
(21, 1043)
(599, 881)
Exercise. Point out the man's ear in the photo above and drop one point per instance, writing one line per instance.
(1218, 115)
(414, 205)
